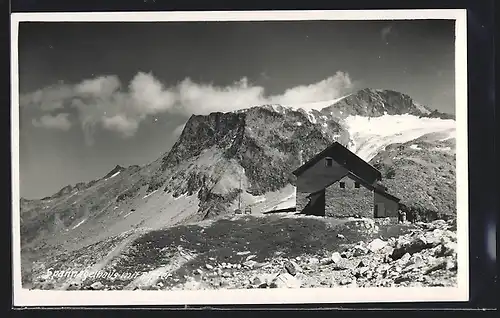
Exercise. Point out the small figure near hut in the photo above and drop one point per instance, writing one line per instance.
(401, 216)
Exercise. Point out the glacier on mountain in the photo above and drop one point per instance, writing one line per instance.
(370, 135)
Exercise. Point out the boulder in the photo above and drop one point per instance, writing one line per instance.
(410, 247)
(363, 270)
(361, 264)
(345, 281)
(255, 281)
(359, 250)
(436, 267)
(336, 257)
(434, 237)
(290, 268)
(97, 286)
(439, 224)
(286, 280)
(266, 280)
(75, 286)
(250, 264)
(404, 259)
(387, 250)
(417, 259)
(451, 264)
(346, 254)
(376, 245)
(447, 248)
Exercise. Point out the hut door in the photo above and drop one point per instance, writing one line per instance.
(379, 210)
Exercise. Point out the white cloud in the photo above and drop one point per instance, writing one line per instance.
(101, 86)
(327, 89)
(126, 126)
(203, 99)
(149, 95)
(60, 121)
(103, 102)
(49, 98)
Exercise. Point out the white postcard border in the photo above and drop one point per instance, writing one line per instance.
(24, 297)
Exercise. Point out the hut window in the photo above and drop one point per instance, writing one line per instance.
(356, 185)
(329, 162)
(342, 185)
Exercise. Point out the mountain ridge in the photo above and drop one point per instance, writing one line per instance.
(343, 101)
(200, 177)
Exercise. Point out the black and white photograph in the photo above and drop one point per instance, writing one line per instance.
(239, 157)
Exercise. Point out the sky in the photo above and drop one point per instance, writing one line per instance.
(94, 95)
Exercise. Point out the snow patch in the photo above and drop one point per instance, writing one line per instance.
(147, 195)
(441, 149)
(128, 214)
(286, 203)
(416, 147)
(318, 105)
(280, 199)
(114, 175)
(450, 135)
(182, 196)
(298, 123)
(371, 135)
(80, 223)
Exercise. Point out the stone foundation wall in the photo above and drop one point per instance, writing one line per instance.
(301, 201)
(349, 201)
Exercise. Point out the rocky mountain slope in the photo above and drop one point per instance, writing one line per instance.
(254, 150)
(276, 251)
(422, 173)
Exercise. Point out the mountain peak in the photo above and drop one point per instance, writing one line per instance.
(371, 102)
